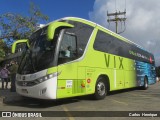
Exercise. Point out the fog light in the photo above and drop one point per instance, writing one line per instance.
(43, 91)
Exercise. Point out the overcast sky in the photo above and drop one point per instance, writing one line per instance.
(142, 25)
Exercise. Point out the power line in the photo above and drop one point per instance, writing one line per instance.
(117, 17)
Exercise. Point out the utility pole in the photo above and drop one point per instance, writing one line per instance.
(116, 18)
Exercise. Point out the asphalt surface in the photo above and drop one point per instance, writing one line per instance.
(133, 100)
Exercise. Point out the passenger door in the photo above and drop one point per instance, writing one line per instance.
(67, 68)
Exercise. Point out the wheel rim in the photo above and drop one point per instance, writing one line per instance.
(101, 88)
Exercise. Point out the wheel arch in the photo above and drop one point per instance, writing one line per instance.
(146, 78)
(107, 81)
(145, 86)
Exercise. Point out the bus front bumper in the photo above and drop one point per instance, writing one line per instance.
(44, 90)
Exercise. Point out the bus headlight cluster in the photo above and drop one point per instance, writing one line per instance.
(44, 78)
(37, 81)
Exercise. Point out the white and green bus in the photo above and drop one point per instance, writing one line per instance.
(74, 57)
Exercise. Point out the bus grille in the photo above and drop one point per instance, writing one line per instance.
(26, 83)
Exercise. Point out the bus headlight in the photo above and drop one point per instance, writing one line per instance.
(37, 81)
(44, 78)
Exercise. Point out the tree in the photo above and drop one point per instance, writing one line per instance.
(15, 26)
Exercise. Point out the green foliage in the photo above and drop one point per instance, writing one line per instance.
(15, 26)
(3, 49)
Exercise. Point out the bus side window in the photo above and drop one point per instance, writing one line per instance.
(68, 48)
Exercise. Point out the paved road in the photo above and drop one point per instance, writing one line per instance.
(126, 100)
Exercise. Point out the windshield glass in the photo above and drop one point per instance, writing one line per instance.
(40, 54)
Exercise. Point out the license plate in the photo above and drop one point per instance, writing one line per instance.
(24, 90)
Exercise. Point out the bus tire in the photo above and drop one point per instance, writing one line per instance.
(100, 89)
(145, 86)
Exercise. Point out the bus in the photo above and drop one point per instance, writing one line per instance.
(73, 57)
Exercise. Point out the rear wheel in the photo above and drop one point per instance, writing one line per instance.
(145, 86)
(100, 89)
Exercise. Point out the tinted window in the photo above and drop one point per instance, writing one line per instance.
(83, 33)
(68, 49)
(110, 44)
(74, 42)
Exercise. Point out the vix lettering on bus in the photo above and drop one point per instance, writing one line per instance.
(108, 61)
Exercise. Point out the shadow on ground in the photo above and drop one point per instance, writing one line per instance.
(13, 99)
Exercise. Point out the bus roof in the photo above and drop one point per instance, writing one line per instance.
(97, 25)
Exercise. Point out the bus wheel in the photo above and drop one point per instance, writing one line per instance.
(100, 89)
(145, 86)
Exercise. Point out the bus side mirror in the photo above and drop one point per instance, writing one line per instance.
(52, 28)
(14, 45)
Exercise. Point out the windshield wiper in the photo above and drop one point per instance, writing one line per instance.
(33, 54)
(27, 59)
(31, 61)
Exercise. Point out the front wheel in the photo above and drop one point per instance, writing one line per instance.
(100, 89)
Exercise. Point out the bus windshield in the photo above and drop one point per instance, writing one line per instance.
(40, 55)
